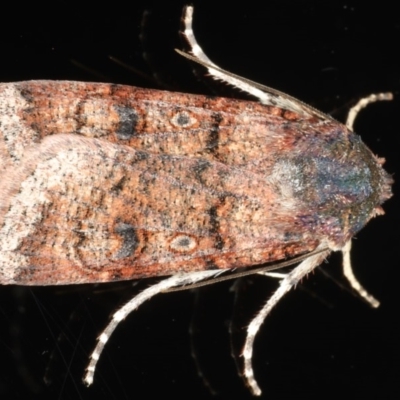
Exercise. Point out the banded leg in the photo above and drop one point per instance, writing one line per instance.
(133, 304)
(290, 280)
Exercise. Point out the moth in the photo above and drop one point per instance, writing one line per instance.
(104, 182)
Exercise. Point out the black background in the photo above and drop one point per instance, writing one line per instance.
(320, 340)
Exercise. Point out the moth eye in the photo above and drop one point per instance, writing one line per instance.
(183, 243)
(183, 119)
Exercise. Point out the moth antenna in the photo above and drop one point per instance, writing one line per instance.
(264, 270)
(133, 304)
(362, 103)
(355, 284)
(290, 280)
(264, 94)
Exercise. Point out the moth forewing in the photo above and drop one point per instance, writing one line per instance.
(105, 182)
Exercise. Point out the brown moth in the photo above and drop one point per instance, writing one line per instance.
(104, 182)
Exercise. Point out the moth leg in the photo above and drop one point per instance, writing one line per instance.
(362, 103)
(355, 284)
(197, 51)
(290, 280)
(133, 304)
(264, 94)
(213, 69)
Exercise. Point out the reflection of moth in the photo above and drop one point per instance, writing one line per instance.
(103, 182)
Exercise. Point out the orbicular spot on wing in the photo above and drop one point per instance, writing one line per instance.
(183, 119)
(182, 243)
